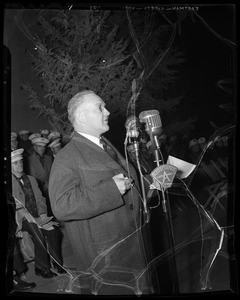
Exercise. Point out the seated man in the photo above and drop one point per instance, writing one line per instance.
(31, 216)
(14, 255)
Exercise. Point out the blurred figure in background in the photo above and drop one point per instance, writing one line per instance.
(39, 166)
(15, 266)
(31, 137)
(202, 143)
(54, 135)
(14, 141)
(44, 133)
(31, 217)
(194, 151)
(24, 141)
(19, 269)
(55, 146)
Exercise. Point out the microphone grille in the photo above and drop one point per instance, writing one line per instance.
(152, 121)
(147, 113)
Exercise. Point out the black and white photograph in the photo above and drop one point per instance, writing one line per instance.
(120, 149)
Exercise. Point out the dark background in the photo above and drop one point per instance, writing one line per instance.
(208, 59)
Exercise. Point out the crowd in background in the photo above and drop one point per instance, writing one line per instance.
(36, 152)
(38, 236)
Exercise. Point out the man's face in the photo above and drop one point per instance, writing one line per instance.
(40, 149)
(14, 144)
(93, 115)
(17, 167)
(55, 149)
(24, 137)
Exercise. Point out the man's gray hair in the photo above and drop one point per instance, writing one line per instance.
(75, 102)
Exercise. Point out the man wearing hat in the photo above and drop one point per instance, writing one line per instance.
(31, 214)
(44, 133)
(24, 134)
(34, 135)
(24, 141)
(53, 135)
(55, 146)
(39, 165)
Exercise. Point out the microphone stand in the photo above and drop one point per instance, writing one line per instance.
(167, 211)
(156, 151)
(136, 149)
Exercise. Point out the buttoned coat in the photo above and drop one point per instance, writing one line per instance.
(103, 226)
(35, 169)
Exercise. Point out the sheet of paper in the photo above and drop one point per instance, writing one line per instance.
(44, 220)
(184, 168)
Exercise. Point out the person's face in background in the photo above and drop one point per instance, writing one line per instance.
(17, 168)
(24, 137)
(40, 149)
(14, 144)
(93, 116)
(56, 149)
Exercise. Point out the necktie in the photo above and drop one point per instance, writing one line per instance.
(30, 201)
(109, 150)
(41, 158)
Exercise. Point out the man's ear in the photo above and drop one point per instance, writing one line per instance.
(80, 117)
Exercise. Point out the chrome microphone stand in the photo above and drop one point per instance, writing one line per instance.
(136, 151)
(167, 212)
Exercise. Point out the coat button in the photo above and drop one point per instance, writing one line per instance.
(131, 206)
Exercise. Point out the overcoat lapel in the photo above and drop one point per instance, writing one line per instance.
(98, 153)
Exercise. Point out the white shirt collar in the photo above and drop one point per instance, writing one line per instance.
(92, 138)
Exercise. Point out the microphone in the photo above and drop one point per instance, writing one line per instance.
(132, 125)
(153, 127)
(152, 120)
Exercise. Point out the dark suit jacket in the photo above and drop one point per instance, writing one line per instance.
(40, 173)
(17, 192)
(103, 226)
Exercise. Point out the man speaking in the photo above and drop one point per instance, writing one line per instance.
(97, 195)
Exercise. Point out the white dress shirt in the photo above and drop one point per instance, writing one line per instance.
(92, 138)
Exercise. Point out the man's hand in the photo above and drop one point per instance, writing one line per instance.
(123, 183)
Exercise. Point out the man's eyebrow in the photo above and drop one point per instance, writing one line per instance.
(100, 103)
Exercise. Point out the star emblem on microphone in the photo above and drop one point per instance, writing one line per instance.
(163, 177)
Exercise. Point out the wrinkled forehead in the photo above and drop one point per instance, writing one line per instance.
(91, 100)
